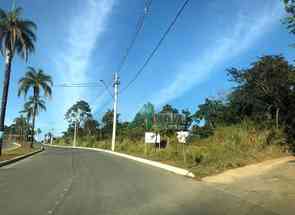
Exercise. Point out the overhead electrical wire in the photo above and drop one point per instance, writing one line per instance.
(102, 108)
(90, 84)
(138, 73)
(139, 28)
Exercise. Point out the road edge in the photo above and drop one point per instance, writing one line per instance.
(10, 161)
(157, 164)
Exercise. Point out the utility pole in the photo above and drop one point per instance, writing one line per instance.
(51, 137)
(75, 134)
(116, 85)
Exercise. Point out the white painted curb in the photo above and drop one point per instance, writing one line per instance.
(167, 167)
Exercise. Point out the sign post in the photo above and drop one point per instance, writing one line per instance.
(182, 137)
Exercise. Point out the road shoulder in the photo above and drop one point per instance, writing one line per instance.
(19, 157)
(233, 175)
(160, 165)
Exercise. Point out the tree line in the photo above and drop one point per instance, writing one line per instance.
(263, 93)
(18, 38)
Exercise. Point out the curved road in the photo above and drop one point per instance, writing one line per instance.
(66, 181)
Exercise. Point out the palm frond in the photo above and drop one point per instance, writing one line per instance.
(16, 34)
(17, 11)
(37, 80)
(3, 14)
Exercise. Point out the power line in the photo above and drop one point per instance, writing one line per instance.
(139, 28)
(156, 47)
(107, 88)
(89, 84)
(102, 109)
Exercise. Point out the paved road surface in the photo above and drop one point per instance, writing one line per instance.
(76, 182)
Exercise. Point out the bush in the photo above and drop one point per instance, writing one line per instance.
(277, 137)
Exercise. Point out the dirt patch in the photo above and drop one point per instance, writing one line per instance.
(231, 176)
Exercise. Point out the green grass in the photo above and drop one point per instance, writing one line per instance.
(229, 147)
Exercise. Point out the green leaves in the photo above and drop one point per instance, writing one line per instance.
(16, 34)
(80, 112)
(36, 80)
(35, 102)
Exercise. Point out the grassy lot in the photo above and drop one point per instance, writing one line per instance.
(24, 149)
(229, 147)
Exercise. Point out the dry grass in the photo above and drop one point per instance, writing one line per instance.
(230, 147)
(24, 149)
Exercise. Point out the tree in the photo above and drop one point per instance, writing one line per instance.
(168, 109)
(91, 126)
(78, 116)
(79, 112)
(38, 81)
(21, 126)
(289, 21)
(187, 119)
(211, 112)
(168, 118)
(265, 87)
(144, 118)
(107, 122)
(28, 112)
(38, 105)
(17, 36)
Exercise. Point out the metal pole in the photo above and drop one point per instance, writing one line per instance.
(51, 136)
(75, 135)
(116, 84)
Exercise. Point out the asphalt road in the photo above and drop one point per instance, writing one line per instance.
(66, 181)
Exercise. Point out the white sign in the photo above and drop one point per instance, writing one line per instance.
(182, 136)
(150, 137)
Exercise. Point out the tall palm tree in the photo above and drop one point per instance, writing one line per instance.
(38, 105)
(28, 112)
(17, 36)
(38, 81)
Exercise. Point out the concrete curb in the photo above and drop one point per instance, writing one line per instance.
(167, 167)
(7, 162)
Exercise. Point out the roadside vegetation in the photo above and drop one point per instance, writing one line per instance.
(252, 122)
(18, 38)
(229, 147)
(24, 149)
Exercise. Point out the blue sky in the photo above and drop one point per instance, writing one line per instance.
(84, 41)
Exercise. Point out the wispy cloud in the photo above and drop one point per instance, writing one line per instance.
(241, 37)
(83, 33)
(73, 60)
